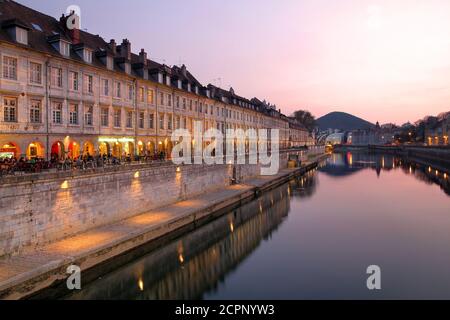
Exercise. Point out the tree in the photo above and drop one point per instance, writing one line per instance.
(305, 118)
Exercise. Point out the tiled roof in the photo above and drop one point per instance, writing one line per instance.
(43, 27)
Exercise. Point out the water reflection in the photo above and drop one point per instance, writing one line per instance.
(348, 163)
(312, 238)
(196, 263)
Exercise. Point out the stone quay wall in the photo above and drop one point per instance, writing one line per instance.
(42, 208)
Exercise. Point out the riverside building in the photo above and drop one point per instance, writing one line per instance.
(65, 93)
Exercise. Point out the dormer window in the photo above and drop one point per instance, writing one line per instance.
(17, 30)
(189, 87)
(87, 55)
(160, 77)
(127, 68)
(179, 84)
(196, 90)
(109, 63)
(22, 35)
(168, 80)
(64, 48)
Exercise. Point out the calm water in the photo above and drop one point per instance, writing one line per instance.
(310, 239)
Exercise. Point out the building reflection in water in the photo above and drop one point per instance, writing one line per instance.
(198, 262)
(348, 163)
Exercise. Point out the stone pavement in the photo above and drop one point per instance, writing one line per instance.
(37, 268)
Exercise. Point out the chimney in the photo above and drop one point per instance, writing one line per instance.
(71, 24)
(125, 49)
(143, 57)
(183, 70)
(113, 46)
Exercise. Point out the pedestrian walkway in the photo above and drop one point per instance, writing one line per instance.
(37, 268)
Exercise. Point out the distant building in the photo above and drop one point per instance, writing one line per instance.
(437, 131)
(336, 138)
(379, 136)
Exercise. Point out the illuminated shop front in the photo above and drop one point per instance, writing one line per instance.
(9, 150)
(119, 146)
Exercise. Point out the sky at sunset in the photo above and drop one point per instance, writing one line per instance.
(380, 60)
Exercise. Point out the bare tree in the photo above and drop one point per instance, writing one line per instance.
(305, 118)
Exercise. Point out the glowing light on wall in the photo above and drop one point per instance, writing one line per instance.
(65, 185)
(141, 285)
(136, 174)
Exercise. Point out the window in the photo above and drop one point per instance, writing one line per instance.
(109, 63)
(22, 36)
(35, 73)
(141, 120)
(36, 27)
(130, 92)
(64, 48)
(151, 121)
(9, 68)
(57, 112)
(184, 123)
(150, 96)
(73, 114)
(10, 110)
(169, 100)
(129, 119)
(56, 77)
(161, 121)
(142, 94)
(104, 117)
(73, 81)
(161, 98)
(117, 89)
(35, 111)
(190, 105)
(89, 84)
(105, 87)
(177, 101)
(117, 118)
(169, 122)
(178, 122)
(184, 103)
(88, 116)
(87, 56)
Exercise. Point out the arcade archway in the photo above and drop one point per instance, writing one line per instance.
(9, 150)
(57, 150)
(35, 150)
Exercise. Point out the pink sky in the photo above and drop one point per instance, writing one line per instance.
(386, 60)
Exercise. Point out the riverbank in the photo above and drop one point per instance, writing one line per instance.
(425, 154)
(94, 251)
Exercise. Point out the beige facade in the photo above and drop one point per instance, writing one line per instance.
(56, 106)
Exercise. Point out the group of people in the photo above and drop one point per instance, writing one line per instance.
(82, 162)
(11, 165)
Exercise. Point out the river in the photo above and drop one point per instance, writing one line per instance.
(312, 238)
